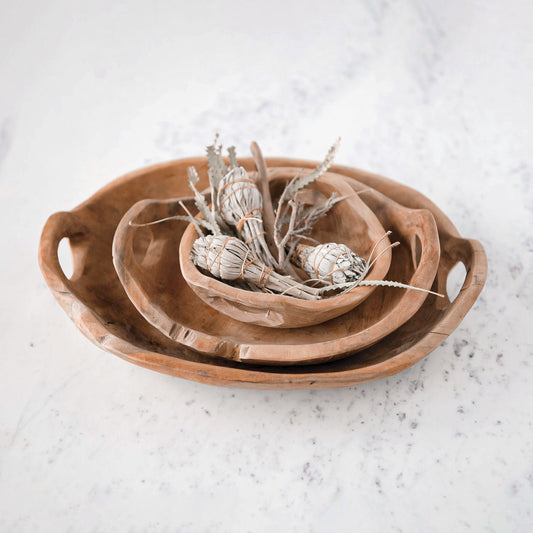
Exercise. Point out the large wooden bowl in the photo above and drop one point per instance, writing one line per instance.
(95, 300)
(350, 222)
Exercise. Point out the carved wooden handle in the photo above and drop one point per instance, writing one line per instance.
(470, 252)
(63, 224)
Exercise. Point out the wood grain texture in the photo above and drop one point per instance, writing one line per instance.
(96, 301)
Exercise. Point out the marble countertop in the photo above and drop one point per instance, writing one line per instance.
(434, 94)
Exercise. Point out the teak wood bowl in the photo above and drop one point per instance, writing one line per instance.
(350, 222)
(145, 259)
(97, 303)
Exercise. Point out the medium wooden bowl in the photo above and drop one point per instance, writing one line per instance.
(350, 222)
(95, 300)
(145, 259)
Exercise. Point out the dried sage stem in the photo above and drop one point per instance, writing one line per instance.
(287, 202)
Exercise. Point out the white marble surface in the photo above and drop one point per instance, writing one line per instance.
(437, 94)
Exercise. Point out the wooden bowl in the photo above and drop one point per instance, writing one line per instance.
(95, 300)
(350, 222)
(145, 259)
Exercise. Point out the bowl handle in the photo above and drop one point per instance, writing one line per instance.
(471, 253)
(63, 224)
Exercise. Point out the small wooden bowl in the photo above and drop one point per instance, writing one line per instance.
(95, 300)
(350, 222)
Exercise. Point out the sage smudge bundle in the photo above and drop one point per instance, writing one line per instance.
(230, 259)
(336, 264)
(331, 263)
(240, 205)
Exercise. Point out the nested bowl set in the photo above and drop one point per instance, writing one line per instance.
(136, 293)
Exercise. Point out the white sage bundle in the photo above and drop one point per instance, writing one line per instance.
(342, 269)
(331, 262)
(230, 259)
(240, 205)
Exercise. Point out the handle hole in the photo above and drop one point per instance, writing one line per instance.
(64, 254)
(416, 250)
(455, 280)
